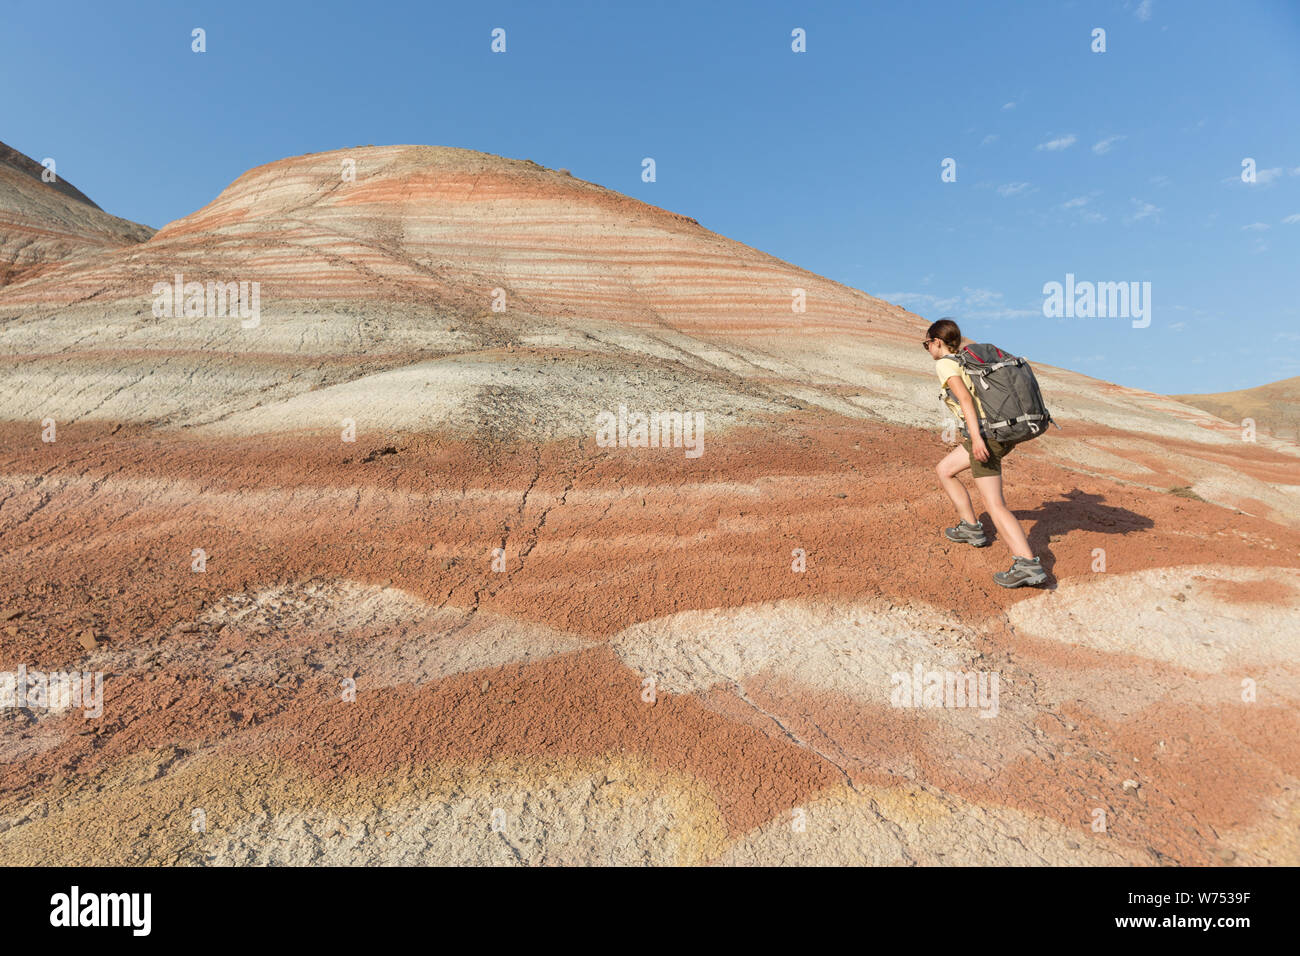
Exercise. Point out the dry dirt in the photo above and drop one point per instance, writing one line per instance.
(45, 220)
(473, 635)
(1273, 408)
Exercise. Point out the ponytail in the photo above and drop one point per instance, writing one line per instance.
(947, 332)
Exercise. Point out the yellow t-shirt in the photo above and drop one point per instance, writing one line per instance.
(946, 368)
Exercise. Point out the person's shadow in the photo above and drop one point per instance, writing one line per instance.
(1076, 511)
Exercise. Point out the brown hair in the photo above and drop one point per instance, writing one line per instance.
(946, 331)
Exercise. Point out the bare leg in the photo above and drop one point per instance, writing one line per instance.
(990, 487)
(955, 462)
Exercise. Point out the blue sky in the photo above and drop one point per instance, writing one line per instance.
(1115, 166)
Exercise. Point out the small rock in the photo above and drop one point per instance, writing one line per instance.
(483, 687)
(1131, 785)
(87, 640)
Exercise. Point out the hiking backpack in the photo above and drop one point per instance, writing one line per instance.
(1013, 406)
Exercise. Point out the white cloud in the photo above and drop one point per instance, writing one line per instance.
(1177, 326)
(922, 300)
(1143, 210)
(1264, 177)
(1063, 142)
(1012, 189)
(1004, 314)
(1008, 106)
(990, 138)
(1143, 11)
(981, 296)
(1161, 180)
(971, 304)
(1255, 227)
(1080, 204)
(1292, 219)
(1101, 147)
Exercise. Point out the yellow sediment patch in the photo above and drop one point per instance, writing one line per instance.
(165, 807)
(891, 826)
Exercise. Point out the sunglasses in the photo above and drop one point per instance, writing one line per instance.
(926, 344)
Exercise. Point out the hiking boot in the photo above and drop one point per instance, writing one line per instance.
(966, 533)
(1023, 571)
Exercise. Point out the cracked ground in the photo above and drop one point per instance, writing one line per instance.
(473, 635)
(563, 654)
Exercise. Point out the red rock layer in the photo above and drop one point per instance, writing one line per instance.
(44, 224)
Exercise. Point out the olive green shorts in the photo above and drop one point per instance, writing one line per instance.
(997, 451)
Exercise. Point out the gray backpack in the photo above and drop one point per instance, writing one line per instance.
(1013, 406)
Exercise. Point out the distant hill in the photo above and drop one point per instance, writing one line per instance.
(1274, 407)
(448, 291)
(43, 224)
(448, 614)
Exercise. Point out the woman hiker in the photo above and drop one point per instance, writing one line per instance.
(983, 456)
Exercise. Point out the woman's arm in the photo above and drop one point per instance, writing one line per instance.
(967, 402)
